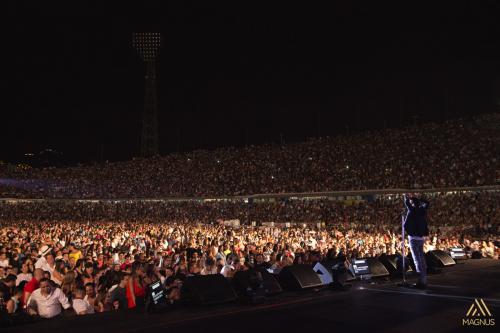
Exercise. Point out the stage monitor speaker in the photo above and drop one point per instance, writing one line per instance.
(256, 278)
(476, 255)
(324, 272)
(458, 253)
(297, 277)
(208, 289)
(333, 271)
(394, 263)
(377, 269)
(438, 259)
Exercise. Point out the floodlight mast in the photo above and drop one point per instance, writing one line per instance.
(147, 45)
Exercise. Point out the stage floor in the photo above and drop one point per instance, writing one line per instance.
(368, 306)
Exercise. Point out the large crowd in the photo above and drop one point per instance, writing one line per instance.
(450, 209)
(87, 257)
(63, 254)
(454, 153)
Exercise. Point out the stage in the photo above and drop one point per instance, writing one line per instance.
(369, 306)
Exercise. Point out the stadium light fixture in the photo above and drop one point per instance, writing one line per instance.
(147, 45)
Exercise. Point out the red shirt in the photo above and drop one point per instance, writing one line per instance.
(30, 287)
(125, 265)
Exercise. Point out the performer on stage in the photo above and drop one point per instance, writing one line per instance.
(415, 225)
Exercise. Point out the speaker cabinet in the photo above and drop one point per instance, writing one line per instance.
(394, 263)
(476, 255)
(377, 269)
(298, 277)
(208, 289)
(256, 278)
(333, 271)
(438, 259)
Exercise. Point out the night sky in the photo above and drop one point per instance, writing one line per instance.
(231, 74)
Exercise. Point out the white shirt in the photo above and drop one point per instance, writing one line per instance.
(227, 270)
(44, 265)
(312, 242)
(40, 262)
(49, 306)
(80, 305)
(23, 277)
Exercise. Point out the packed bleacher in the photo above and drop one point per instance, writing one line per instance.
(455, 153)
(449, 209)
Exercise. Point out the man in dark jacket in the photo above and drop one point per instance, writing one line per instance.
(415, 225)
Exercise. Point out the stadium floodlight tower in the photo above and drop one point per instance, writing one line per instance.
(147, 45)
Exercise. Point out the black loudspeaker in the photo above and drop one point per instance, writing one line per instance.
(476, 255)
(256, 278)
(377, 269)
(297, 277)
(341, 275)
(438, 259)
(207, 289)
(333, 272)
(394, 263)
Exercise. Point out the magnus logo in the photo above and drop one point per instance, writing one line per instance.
(478, 315)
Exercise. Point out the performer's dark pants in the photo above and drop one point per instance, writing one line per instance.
(418, 255)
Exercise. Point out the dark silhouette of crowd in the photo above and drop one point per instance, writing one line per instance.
(455, 153)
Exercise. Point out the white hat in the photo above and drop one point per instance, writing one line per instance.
(44, 250)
